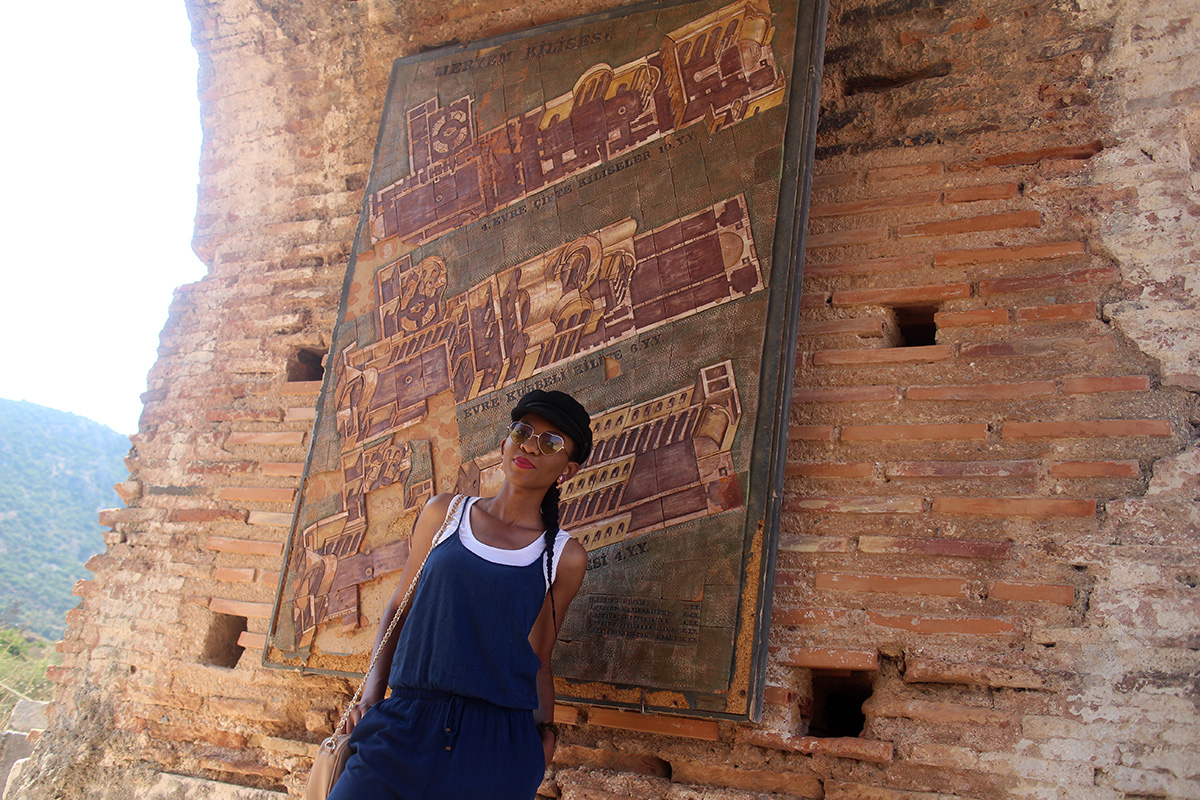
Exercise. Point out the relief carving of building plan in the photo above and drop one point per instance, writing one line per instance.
(590, 207)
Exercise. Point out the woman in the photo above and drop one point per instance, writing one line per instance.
(472, 705)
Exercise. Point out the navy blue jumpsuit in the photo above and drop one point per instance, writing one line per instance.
(459, 722)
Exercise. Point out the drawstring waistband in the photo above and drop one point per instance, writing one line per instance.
(455, 705)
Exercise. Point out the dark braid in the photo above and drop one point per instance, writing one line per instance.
(550, 520)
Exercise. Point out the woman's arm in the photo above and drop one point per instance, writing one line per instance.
(428, 523)
(567, 580)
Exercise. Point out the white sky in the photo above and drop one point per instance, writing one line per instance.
(101, 139)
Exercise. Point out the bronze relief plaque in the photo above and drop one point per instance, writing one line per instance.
(613, 206)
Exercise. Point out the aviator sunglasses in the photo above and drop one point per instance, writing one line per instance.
(548, 443)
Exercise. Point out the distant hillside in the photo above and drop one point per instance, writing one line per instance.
(56, 471)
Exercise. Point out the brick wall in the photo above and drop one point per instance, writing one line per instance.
(989, 539)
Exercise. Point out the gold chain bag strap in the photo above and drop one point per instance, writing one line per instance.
(335, 750)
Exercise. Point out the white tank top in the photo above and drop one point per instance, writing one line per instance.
(513, 558)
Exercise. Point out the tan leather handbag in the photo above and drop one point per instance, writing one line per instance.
(335, 750)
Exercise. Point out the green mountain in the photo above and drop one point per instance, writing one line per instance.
(56, 471)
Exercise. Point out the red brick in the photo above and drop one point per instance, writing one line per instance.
(237, 764)
(858, 326)
(834, 747)
(971, 194)
(604, 758)
(827, 469)
(205, 515)
(251, 547)
(874, 204)
(904, 172)
(892, 584)
(1096, 469)
(845, 394)
(848, 238)
(278, 438)
(975, 626)
(986, 222)
(269, 518)
(284, 468)
(240, 608)
(128, 491)
(888, 355)
(960, 469)
(834, 180)
(855, 505)
(823, 658)
(811, 433)
(1058, 312)
(964, 319)
(1055, 280)
(1040, 347)
(796, 783)
(951, 548)
(653, 723)
(252, 641)
(981, 391)
(922, 670)
(902, 295)
(922, 432)
(1057, 593)
(234, 574)
(256, 494)
(803, 543)
(300, 414)
(992, 255)
(814, 299)
(1087, 429)
(867, 266)
(845, 790)
(810, 617)
(194, 734)
(1014, 507)
(1034, 156)
(1122, 383)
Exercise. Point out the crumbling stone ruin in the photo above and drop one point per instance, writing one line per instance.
(987, 582)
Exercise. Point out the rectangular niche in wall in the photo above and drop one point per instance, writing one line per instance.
(614, 206)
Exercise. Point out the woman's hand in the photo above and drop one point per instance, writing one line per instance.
(357, 712)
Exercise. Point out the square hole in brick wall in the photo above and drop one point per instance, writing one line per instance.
(221, 648)
(915, 325)
(306, 364)
(838, 697)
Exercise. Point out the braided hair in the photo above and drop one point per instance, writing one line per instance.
(572, 419)
(550, 520)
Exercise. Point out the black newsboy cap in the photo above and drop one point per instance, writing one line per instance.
(565, 412)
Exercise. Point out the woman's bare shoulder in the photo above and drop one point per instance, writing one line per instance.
(573, 559)
(431, 517)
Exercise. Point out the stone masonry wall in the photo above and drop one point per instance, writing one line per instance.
(990, 532)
